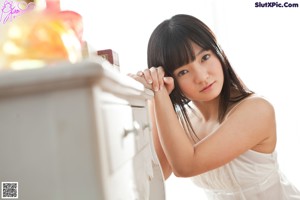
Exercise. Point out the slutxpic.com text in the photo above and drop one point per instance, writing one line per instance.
(276, 5)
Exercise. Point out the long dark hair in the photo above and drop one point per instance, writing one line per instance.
(170, 47)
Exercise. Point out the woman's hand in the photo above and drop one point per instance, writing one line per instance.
(154, 79)
(140, 78)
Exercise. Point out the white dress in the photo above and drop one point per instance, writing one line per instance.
(251, 176)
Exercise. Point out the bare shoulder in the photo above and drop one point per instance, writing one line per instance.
(257, 116)
(253, 104)
(258, 102)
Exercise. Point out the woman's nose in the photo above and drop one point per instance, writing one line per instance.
(199, 73)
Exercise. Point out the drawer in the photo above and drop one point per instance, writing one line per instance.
(140, 116)
(124, 133)
(132, 181)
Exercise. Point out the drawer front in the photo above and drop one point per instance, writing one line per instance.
(120, 143)
(126, 132)
(132, 181)
(140, 117)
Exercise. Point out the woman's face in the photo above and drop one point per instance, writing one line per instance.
(202, 79)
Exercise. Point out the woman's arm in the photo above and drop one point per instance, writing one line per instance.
(165, 166)
(175, 143)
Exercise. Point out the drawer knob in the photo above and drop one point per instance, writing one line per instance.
(136, 127)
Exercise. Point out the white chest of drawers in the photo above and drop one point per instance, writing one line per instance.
(77, 131)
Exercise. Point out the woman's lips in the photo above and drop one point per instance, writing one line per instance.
(207, 87)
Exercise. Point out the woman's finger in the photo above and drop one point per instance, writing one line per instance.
(169, 84)
(155, 81)
(160, 76)
(140, 79)
(140, 73)
(147, 75)
(151, 78)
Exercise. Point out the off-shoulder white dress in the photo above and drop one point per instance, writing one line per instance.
(251, 176)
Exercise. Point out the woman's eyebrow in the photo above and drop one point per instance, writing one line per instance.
(201, 51)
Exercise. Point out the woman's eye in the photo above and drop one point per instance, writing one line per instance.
(181, 73)
(205, 57)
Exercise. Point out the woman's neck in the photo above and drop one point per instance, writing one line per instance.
(208, 109)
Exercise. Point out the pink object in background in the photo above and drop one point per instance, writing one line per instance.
(71, 18)
(74, 21)
(53, 5)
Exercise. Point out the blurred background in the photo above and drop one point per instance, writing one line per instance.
(262, 44)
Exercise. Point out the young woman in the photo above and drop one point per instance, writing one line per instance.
(206, 124)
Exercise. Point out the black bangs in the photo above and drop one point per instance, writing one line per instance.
(177, 52)
(169, 48)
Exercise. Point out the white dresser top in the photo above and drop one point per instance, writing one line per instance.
(65, 74)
